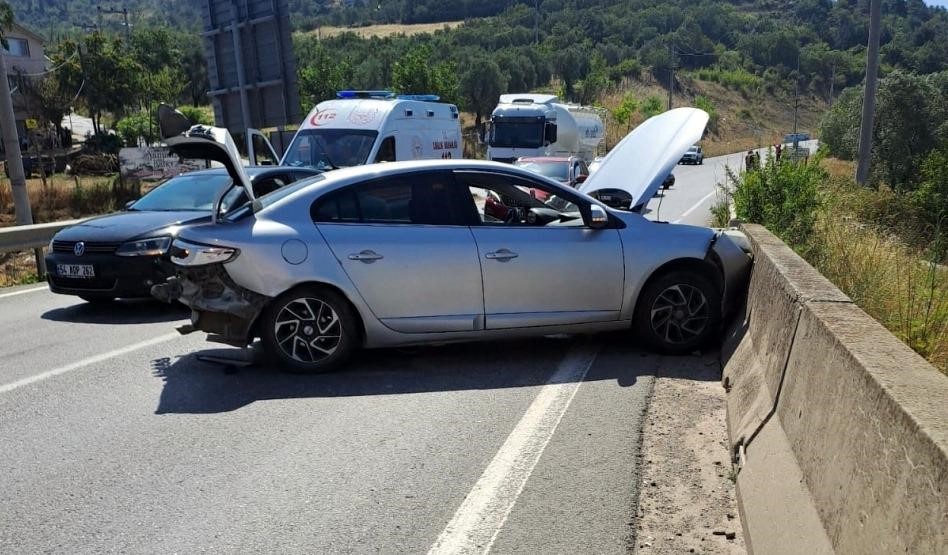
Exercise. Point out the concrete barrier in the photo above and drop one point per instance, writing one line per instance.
(841, 429)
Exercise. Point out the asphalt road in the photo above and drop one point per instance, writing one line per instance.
(116, 438)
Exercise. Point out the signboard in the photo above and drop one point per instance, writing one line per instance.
(251, 65)
(154, 163)
(31, 123)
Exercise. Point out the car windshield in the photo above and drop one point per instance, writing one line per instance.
(693, 150)
(514, 133)
(328, 149)
(556, 170)
(193, 191)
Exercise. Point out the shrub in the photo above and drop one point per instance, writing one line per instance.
(739, 79)
(783, 196)
(704, 103)
(652, 106)
(198, 114)
(137, 127)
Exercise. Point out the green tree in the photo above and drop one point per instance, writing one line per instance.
(415, 72)
(481, 85)
(322, 76)
(626, 109)
(108, 76)
(569, 64)
(595, 81)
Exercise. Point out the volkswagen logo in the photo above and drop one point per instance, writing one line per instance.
(79, 248)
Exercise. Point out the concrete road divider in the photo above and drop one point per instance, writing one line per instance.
(840, 430)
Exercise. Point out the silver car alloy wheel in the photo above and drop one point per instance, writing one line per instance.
(680, 313)
(307, 330)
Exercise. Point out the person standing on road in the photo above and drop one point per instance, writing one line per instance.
(778, 149)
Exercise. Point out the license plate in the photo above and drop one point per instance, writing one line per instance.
(75, 270)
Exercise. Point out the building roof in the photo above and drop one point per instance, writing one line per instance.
(20, 29)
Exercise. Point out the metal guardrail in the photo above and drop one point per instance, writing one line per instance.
(35, 236)
(24, 237)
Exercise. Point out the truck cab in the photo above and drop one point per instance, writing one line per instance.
(531, 125)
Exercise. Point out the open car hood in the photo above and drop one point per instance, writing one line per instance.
(201, 142)
(644, 158)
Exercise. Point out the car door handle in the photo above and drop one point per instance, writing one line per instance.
(366, 256)
(502, 255)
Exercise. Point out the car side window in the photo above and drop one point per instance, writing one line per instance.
(386, 150)
(510, 201)
(419, 199)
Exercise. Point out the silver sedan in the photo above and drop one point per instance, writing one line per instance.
(441, 251)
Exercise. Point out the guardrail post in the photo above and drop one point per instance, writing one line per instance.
(40, 263)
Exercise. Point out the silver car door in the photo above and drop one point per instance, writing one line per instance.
(536, 275)
(407, 250)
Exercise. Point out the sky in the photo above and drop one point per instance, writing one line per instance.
(942, 3)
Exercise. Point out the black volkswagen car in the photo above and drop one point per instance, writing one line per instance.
(124, 254)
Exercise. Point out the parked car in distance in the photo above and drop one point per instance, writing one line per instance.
(125, 253)
(693, 155)
(405, 253)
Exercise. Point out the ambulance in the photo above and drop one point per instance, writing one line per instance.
(365, 127)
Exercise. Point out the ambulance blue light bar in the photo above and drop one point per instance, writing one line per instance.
(364, 94)
(420, 97)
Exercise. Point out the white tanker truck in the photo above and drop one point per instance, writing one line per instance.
(539, 125)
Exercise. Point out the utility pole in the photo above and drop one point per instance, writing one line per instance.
(869, 99)
(796, 100)
(11, 144)
(123, 11)
(671, 76)
(536, 22)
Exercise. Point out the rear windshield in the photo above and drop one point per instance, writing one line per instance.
(186, 192)
(271, 198)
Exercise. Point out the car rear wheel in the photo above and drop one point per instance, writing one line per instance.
(309, 330)
(678, 312)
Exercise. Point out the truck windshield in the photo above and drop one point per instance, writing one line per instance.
(328, 149)
(511, 133)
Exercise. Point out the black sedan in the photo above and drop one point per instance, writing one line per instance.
(124, 254)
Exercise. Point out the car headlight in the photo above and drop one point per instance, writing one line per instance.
(186, 253)
(152, 246)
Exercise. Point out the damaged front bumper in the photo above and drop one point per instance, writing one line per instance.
(220, 307)
(731, 251)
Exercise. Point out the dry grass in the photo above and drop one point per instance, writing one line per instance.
(839, 169)
(385, 30)
(65, 197)
(744, 123)
(891, 282)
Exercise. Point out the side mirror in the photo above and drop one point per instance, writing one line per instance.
(598, 218)
(129, 204)
(581, 178)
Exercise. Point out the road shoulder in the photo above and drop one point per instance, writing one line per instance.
(688, 500)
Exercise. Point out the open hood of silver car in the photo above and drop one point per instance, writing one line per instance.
(645, 157)
(202, 142)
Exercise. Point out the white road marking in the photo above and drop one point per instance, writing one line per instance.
(24, 291)
(485, 509)
(695, 207)
(88, 361)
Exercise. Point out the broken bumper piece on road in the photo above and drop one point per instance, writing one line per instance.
(219, 306)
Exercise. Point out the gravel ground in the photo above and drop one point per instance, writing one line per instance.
(688, 502)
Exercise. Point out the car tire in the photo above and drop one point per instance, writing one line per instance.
(701, 162)
(97, 300)
(309, 330)
(678, 312)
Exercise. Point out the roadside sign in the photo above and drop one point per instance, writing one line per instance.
(31, 123)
